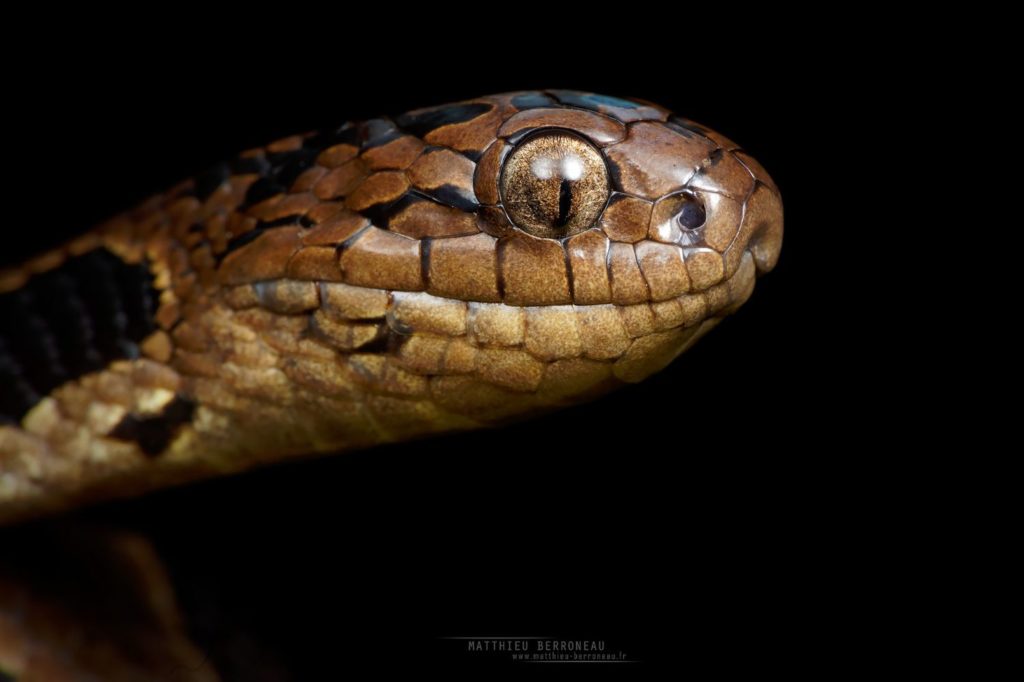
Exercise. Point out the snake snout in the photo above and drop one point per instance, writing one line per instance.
(765, 246)
(765, 243)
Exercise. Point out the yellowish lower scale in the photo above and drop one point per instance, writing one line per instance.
(278, 368)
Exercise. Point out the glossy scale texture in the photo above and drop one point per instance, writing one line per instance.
(366, 284)
(340, 289)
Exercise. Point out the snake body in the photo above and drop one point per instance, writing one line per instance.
(381, 281)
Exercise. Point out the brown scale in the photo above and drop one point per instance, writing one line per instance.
(374, 284)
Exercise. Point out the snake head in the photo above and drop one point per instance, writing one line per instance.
(504, 254)
(447, 268)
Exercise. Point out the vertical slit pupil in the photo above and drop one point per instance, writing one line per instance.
(564, 203)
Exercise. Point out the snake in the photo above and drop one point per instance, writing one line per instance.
(455, 267)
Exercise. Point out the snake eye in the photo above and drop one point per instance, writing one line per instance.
(691, 215)
(554, 184)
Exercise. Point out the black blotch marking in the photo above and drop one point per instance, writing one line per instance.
(249, 164)
(408, 199)
(380, 214)
(352, 239)
(714, 157)
(30, 344)
(196, 228)
(499, 256)
(324, 139)
(207, 182)
(388, 340)
(378, 131)
(238, 242)
(533, 100)
(17, 391)
(450, 195)
(70, 321)
(422, 122)
(472, 154)
(380, 343)
(568, 268)
(153, 433)
(277, 171)
(139, 302)
(279, 222)
(262, 226)
(564, 203)
(287, 166)
(384, 341)
(262, 189)
(425, 245)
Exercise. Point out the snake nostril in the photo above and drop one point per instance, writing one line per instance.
(692, 214)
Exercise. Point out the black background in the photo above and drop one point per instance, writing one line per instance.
(689, 517)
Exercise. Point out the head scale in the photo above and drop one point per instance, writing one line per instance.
(533, 198)
(563, 241)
